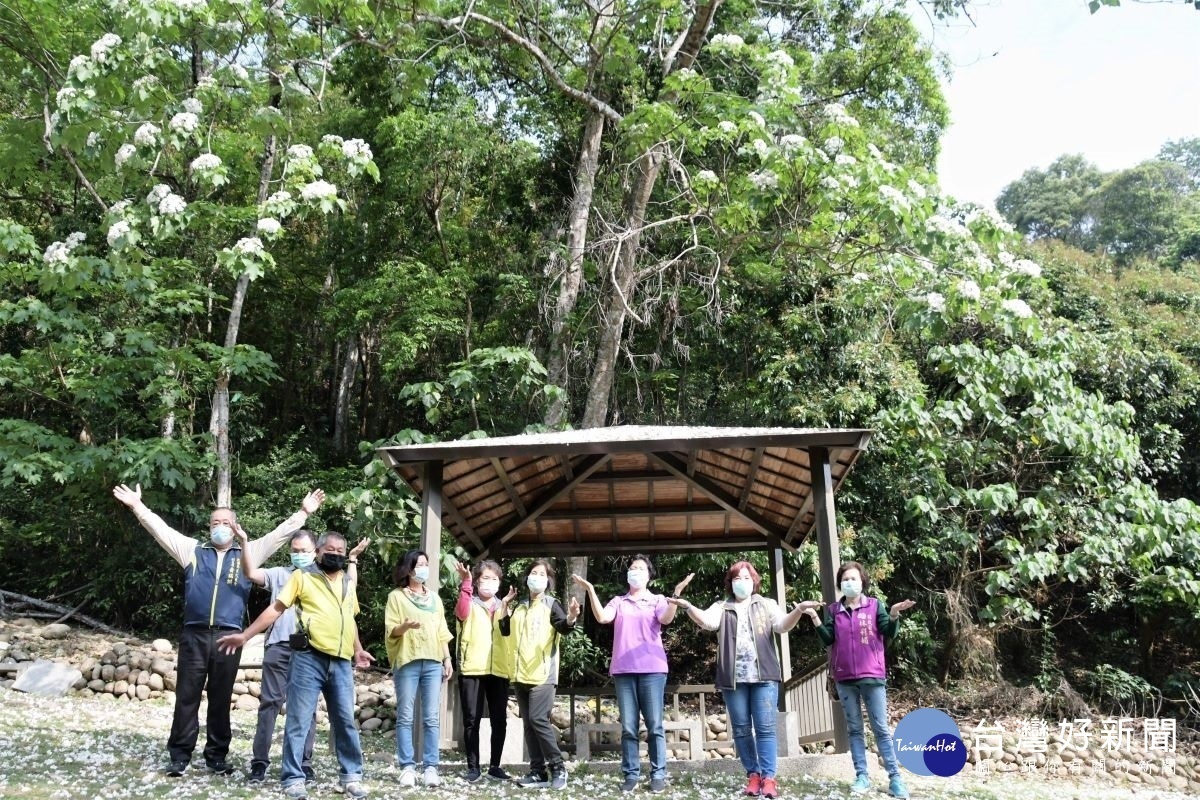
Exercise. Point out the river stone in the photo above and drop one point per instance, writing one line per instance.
(55, 630)
(246, 702)
(162, 646)
(46, 678)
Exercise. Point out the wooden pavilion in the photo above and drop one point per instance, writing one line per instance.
(629, 489)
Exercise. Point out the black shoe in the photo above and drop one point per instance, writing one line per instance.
(629, 785)
(534, 780)
(474, 775)
(558, 777)
(309, 775)
(658, 785)
(176, 769)
(219, 767)
(258, 773)
(498, 774)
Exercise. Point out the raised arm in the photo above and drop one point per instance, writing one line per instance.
(262, 548)
(708, 620)
(603, 615)
(179, 546)
(462, 607)
(251, 570)
(667, 615)
(352, 563)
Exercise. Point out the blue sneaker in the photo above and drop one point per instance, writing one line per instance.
(861, 784)
(897, 788)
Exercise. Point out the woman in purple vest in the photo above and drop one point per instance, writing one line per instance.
(748, 669)
(854, 629)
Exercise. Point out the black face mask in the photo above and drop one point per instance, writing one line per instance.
(331, 562)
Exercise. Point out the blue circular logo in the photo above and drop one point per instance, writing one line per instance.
(928, 742)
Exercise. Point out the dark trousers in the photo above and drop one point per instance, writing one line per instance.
(474, 691)
(541, 737)
(201, 665)
(277, 659)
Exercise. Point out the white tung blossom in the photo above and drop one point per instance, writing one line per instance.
(77, 63)
(171, 205)
(1017, 307)
(706, 176)
(758, 119)
(761, 148)
(205, 162)
(118, 230)
(157, 194)
(831, 183)
(968, 289)
(948, 227)
(728, 41)
(1027, 267)
(833, 145)
(250, 245)
(124, 153)
(146, 135)
(332, 138)
(185, 122)
(93, 139)
(300, 152)
(791, 142)
(764, 179)
(935, 301)
(269, 226)
(193, 106)
(726, 126)
(838, 114)
(357, 149)
(118, 208)
(189, 5)
(65, 95)
(280, 197)
(845, 160)
(916, 189)
(779, 58)
(103, 46)
(59, 252)
(894, 197)
(318, 190)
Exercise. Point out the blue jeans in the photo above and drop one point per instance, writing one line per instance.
(853, 698)
(423, 675)
(752, 711)
(641, 694)
(313, 673)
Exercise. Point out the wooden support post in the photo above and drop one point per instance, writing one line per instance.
(431, 522)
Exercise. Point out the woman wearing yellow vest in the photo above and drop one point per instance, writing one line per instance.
(418, 645)
(484, 664)
(534, 627)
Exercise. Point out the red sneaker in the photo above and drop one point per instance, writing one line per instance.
(753, 784)
(769, 788)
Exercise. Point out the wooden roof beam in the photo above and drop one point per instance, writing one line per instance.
(722, 498)
(585, 467)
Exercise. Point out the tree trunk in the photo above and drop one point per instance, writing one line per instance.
(341, 411)
(220, 411)
(572, 277)
(620, 295)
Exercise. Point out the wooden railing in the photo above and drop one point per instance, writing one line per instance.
(806, 694)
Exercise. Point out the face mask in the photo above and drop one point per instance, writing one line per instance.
(302, 560)
(637, 578)
(488, 588)
(742, 588)
(221, 535)
(421, 574)
(331, 562)
(852, 588)
(537, 583)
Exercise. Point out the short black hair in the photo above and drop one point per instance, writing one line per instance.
(406, 565)
(643, 558)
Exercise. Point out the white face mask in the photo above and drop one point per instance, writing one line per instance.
(221, 535)
(488, 588)
(421, 574)
(537, 583)
(742, 588)
(852, 587)
(637, 578)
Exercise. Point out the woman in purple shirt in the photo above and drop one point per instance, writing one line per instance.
(854, 629)
(639, 666)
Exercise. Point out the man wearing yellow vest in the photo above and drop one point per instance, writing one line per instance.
(326, 605)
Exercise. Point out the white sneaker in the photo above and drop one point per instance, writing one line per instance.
(431, 777)
(408, 777)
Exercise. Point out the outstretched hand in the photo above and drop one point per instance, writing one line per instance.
(363, 660)
(582, 583)
(573, 610)
(231, 643)
(409, 625)
(463, 572)
(512, 595)
(358, 550)
(312, 501)
(130, 497)
(679, 587)
(901, 607)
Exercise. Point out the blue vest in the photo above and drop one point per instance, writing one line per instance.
(211, 600)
